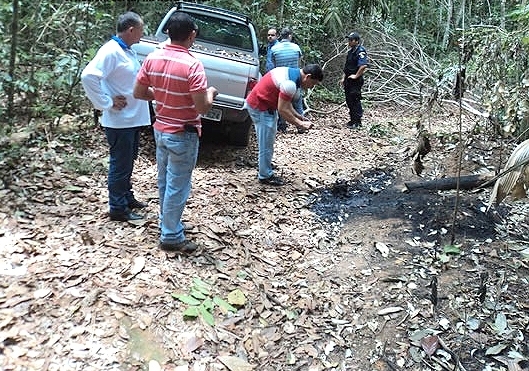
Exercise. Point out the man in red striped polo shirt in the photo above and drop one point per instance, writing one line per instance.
(176, 80)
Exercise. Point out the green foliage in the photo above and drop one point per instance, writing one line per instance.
(202, 303)
(379, 130)
(321, 93)
(497, 68)
(80, 164)
(451, 249)
(51, 52)
(448, 251)
(57, 39)
(520, 14)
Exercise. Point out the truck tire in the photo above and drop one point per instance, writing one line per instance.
(238, 133)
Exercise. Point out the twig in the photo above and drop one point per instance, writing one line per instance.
(386, 359)
(456, 358)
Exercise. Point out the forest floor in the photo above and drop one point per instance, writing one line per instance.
(339, 269)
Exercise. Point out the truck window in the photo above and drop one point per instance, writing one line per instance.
(223, 32)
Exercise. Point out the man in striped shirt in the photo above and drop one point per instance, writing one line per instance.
(287, 54)
(176, 80)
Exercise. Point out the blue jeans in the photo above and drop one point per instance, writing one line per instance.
(265, 124)
(176, 157)
(124, 144)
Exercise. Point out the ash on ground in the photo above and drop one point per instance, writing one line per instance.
(334, 204)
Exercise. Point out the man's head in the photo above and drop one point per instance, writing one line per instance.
(271, 36)
(353, 38)
(311, 75)
(181, 28)
(130, 28)
(286, 34)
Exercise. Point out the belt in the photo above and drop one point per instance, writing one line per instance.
(190, 128)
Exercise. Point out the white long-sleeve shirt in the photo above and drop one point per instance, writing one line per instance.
(112, 72)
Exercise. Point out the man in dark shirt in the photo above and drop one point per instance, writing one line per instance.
(352, 80)
(272, 40)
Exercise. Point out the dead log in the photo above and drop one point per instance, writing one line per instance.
(465, 182)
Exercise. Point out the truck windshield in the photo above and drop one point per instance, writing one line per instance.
(223, 32)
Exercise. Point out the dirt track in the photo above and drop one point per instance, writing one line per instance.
(338, 267)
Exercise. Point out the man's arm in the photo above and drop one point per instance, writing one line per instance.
(91, 80)
(143, 92)
(204, 100)
(287, 112)
(361, 70)
(358, 73)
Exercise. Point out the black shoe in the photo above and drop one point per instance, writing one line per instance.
(135, 204)
(273, 180)
(353, 125)
(186, 246)
(302, 131)
(124, 216)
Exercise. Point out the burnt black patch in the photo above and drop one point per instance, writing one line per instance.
(376, 195)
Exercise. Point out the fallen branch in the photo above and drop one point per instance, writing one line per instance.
(467, 107)
(320, 111)
(465, 182)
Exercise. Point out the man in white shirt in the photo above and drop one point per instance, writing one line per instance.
(108, 81)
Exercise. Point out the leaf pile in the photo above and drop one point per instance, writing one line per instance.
(81, 292)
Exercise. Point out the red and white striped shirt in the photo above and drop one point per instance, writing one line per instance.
(174, 74)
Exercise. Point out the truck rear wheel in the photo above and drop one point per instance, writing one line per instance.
(238, 133)
(227, 132)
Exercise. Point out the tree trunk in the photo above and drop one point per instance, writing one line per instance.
(417, 16)
(460, 21)
(12, 63)
(465, 182)
(502, 14)
(281, 13)
(448, 24)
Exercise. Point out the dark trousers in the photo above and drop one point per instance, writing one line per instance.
(353, 96)
(124, 145)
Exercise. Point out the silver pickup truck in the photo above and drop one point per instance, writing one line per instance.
(227, 46)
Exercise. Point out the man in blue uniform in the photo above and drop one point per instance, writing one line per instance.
(352, 80)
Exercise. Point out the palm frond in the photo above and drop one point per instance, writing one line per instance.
(514, 180)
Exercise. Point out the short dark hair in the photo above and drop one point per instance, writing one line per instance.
(180, 25)
(353, 36)
(314, 71)
(127, 20)
(285, 33)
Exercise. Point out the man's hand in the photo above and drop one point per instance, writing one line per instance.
(213, 91)
(119, 102)
(305, 125)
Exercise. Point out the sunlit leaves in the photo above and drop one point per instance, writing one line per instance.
(202, 303)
